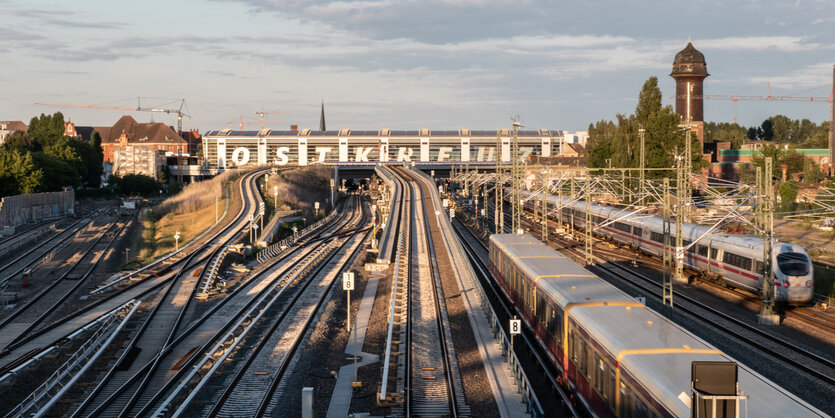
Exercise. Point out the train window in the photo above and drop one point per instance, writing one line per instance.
(701, 250)
(571, 347)
(758, 267)
(714, 254)
(637, 231)
(641, 409)
(623, 227)
(625, 401)
(656, 236)
(584, 358)
(737, 260)
(793, 264)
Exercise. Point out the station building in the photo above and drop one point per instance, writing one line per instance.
(229, 149)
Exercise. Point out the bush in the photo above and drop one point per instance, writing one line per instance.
(196, 196)
(136, 184)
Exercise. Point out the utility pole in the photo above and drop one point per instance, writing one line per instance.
(589, 256)
(624, 196)
(667, 288)
(573, 199)
(685, 194)
(642, 134)
(516, 202)
(681, 204)
(767, 315)
(499, 219)
(558, 207)
(546, 182)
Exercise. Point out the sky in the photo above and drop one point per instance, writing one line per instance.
(438, 64)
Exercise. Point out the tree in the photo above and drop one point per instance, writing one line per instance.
(788, 195)
(18, 174)
(783, 128)
(812, 172)
(619, 141)
(57, 173)
(726, 132)
(767, 130)
(132, 184)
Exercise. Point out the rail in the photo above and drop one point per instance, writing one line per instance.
(386, 244)
(402, 246)
(465, 270)
(237, 333)
(71, 370)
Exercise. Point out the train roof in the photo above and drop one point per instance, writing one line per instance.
(691, 231)
(637, 330)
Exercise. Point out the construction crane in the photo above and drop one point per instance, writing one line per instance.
(241, 122)
(139, 108)
(262, 113)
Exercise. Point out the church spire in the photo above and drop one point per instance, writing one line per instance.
(322, 118)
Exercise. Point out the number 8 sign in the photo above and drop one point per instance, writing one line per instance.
(347, 281)
(515, 326)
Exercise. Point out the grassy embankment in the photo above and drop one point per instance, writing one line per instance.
(190, 212)
(298, 189)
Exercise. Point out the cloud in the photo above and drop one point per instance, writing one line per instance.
(759, 43)
(814, 75)
(820, 20)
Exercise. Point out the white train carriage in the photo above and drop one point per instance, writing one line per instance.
(622, 358)
(736, 260)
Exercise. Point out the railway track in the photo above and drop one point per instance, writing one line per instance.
(120, 393)
(14, 267)
(246, 382)
(177, 356)
(794, 357)
(37, 311)
(430, 376)
(152, 282)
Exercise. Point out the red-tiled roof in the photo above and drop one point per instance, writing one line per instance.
(141, 133)
(16, 125)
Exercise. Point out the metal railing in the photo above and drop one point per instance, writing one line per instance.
(210, 278)
(279, 247)
(47, 394)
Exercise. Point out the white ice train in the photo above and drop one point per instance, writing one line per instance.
(735, 260)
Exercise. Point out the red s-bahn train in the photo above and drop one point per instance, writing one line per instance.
(621, 358)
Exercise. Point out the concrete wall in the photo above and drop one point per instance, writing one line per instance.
(24, 208)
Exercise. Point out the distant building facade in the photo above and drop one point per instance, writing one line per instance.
(137, 160)
(9, 127)
(128, 132)
(228, 149)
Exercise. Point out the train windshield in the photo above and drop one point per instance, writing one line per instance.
(793, 264)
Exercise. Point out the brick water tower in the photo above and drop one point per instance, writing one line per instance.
(689, 70)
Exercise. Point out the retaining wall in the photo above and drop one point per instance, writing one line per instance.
(24, 208)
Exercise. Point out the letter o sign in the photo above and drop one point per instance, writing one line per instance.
(240, 156)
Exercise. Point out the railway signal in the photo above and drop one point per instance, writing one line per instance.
(177, 241)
